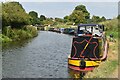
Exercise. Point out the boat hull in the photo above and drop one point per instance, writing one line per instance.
(82, 65)
(76, 68)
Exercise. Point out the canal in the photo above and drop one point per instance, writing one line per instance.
(44, 56)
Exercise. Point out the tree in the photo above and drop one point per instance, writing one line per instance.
(33, 14)
(35, 19)
(84, 10)
(103, 18)
(79, 15)
(59, 20)
(48, 21)
(42, 17)
(96, 19)
(66, 19)
(118, 17)
(13, 14)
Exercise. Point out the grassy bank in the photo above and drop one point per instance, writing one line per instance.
(108, 68)
(10, 34)
(61, 25)
(111, 27)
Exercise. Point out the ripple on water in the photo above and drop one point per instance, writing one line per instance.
(43, 56)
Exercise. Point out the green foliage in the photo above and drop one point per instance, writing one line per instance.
(33, 14)
(84, 10)
(118, 17)
(31, 29)
(61, 25)
(66, 19)
(48, 21)
(97, 19)
(69, 23)
(21, 34)
(59, 20)
(4, 38)
(104, 70)
(103, 18)
(79, 15)
(14, 15)
(111, 27)
(35, 19)
(42, 17)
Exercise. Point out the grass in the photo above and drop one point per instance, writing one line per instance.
(108, 68)
(111, 27)
(61, 26)
(115, 33)
(104, 70)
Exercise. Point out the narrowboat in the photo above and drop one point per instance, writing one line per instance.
(51, 29)
(89, 47)
(61, 30)
(70, 31)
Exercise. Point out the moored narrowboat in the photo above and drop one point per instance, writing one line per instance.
(70, 31)
(89, 47)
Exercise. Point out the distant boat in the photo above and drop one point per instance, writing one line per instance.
(54, 30)
(69, 31)
(61, 30)
(51, 29)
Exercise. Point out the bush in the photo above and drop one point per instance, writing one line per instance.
(111, 27)
(31, 29)
(111, 24)
(20, 34)
(4, 38)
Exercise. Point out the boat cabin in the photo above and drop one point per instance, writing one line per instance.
(88, 42)
(89, 47)
(90, 29)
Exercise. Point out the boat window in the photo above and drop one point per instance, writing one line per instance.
(97, 31)
(94, 30)
(86, 29)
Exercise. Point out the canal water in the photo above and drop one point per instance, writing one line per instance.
(44, 56)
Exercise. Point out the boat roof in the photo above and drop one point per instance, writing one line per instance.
(80, 25)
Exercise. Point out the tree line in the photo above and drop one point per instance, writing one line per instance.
(14, 15)
(79, 15)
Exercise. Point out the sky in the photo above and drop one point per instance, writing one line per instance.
(63, 0)
(61, 8)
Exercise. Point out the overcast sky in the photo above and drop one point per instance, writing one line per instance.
(61, 8)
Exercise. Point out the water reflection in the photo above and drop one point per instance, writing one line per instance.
(14, 45)
(76, 74)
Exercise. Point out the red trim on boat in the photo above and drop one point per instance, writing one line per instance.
(80, 69)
